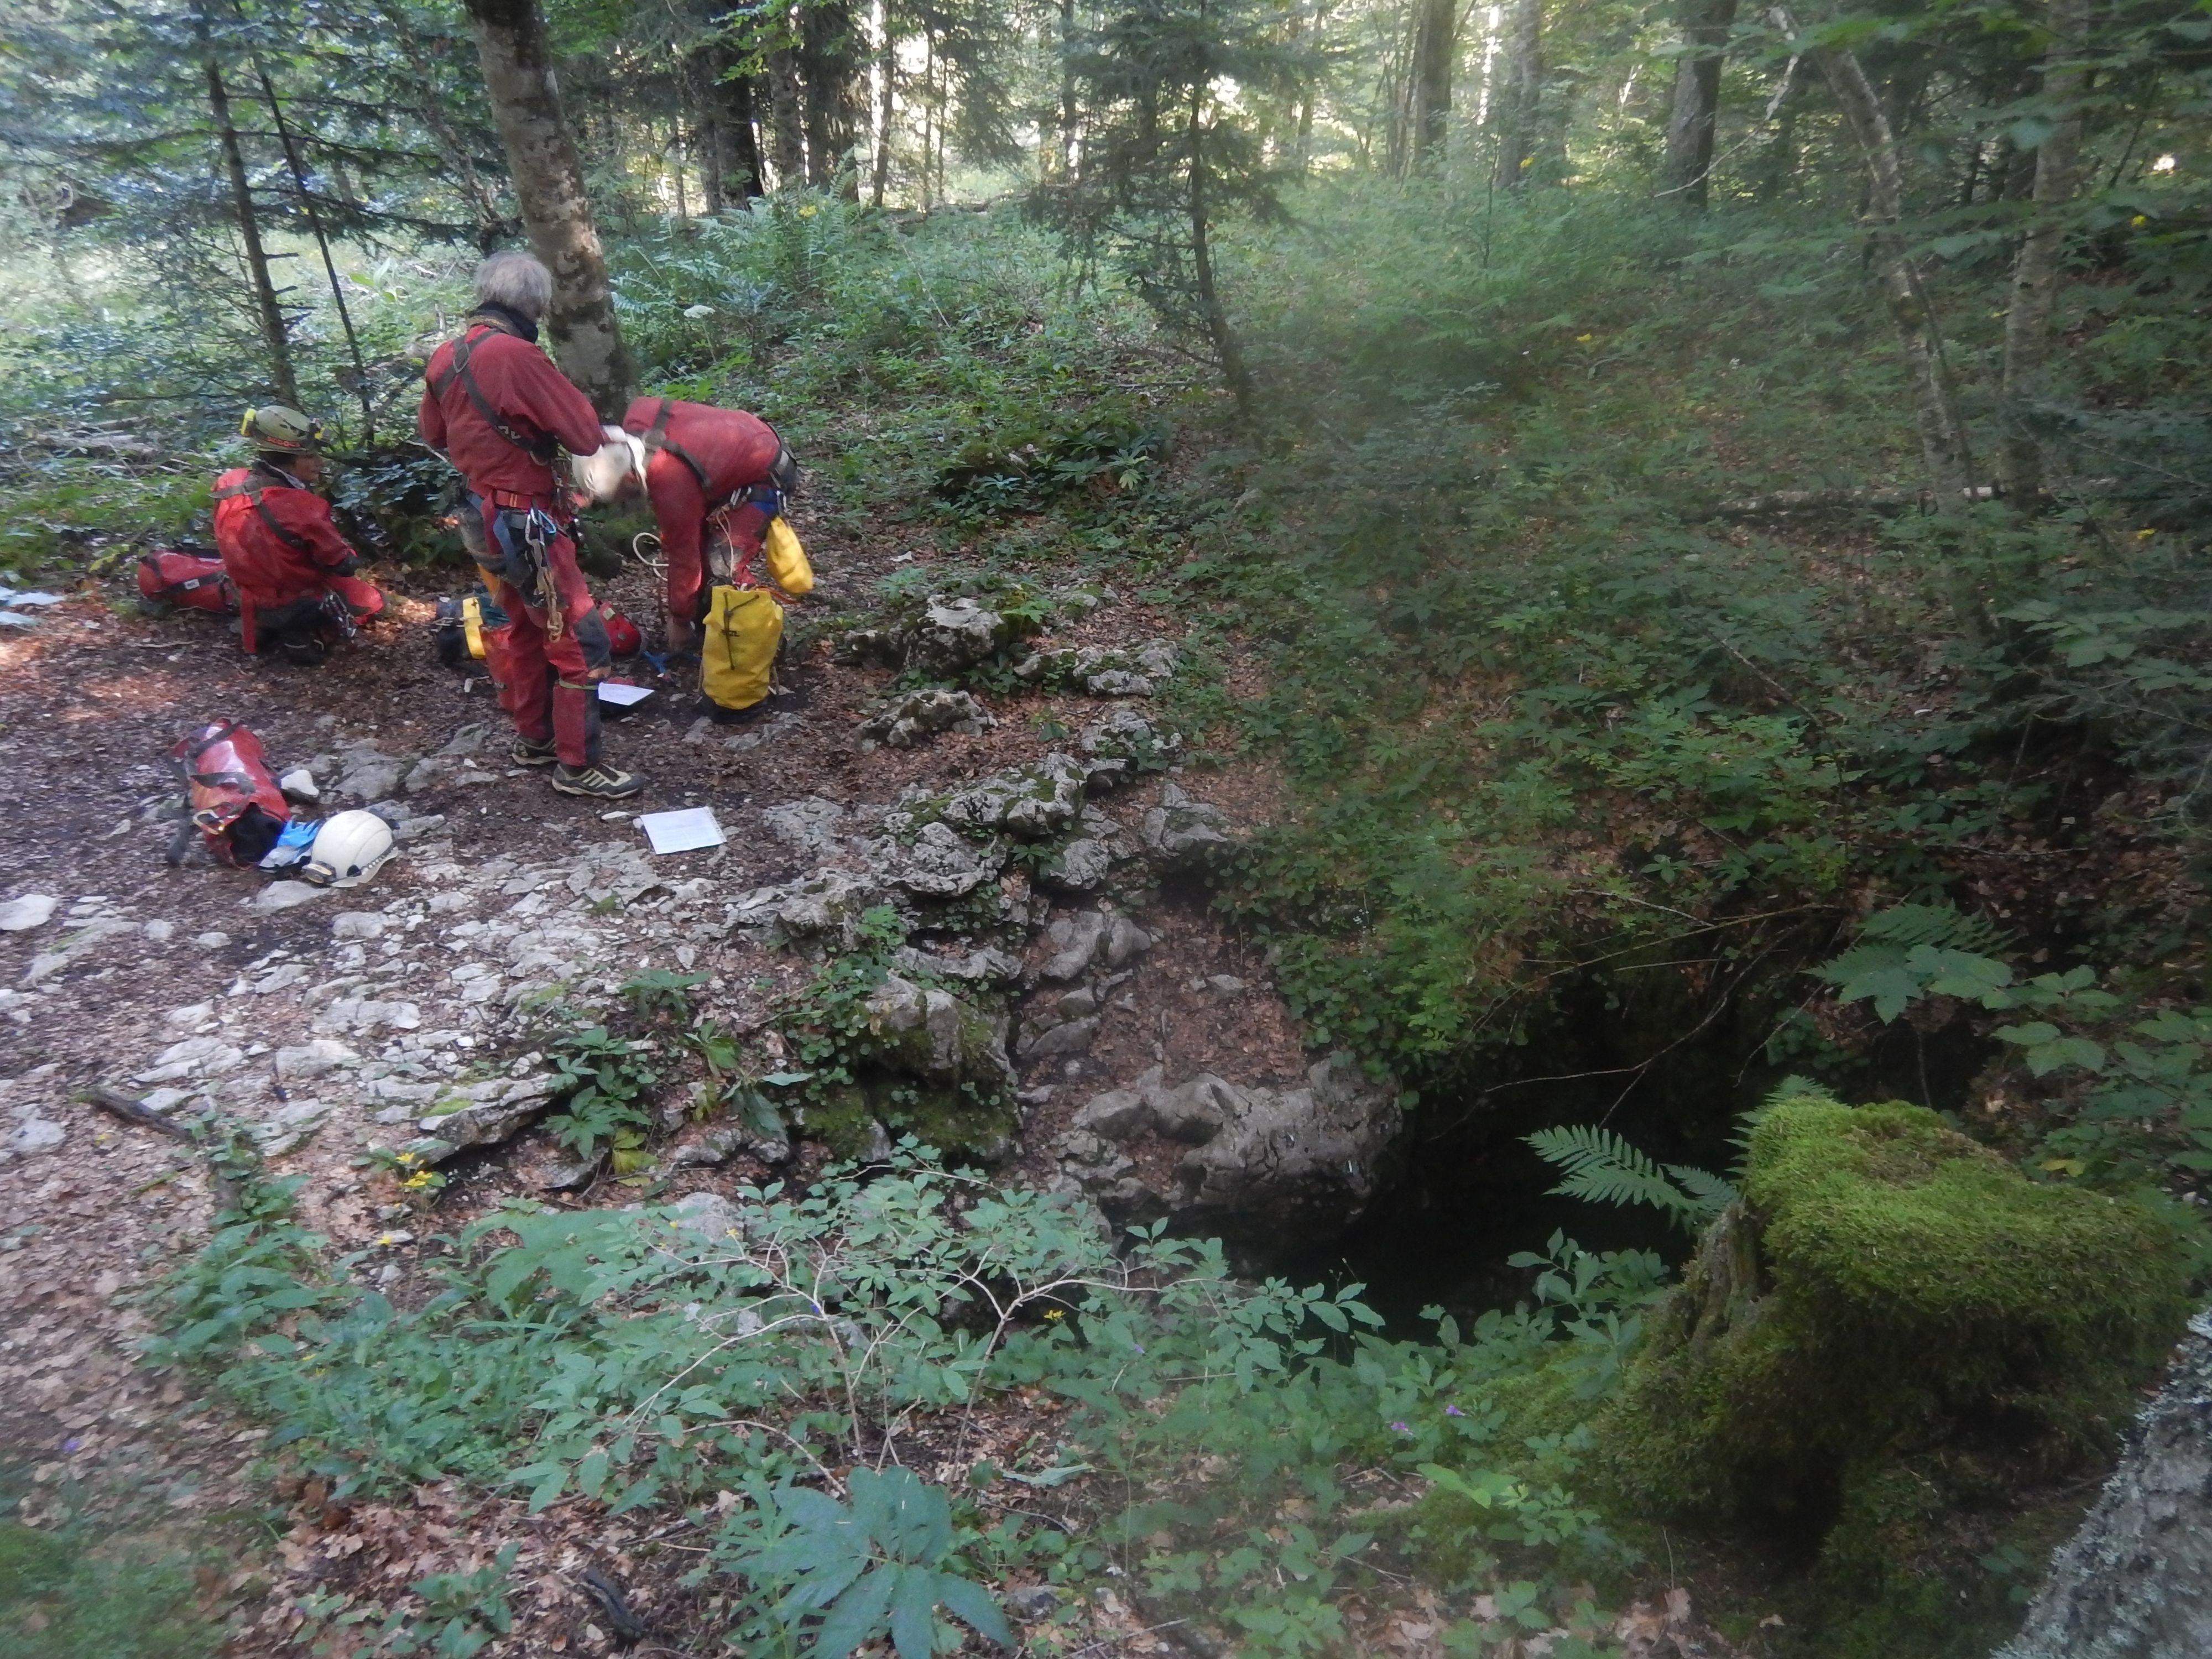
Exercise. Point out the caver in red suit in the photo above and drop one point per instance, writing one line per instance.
(286, 557)
(498, 408)
(713, 477)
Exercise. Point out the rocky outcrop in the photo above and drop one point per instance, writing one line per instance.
(1266, 1167)
(2136, 1581)
(921, 715)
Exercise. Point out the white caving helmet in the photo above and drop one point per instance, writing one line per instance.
(349, 849)
(602, 474)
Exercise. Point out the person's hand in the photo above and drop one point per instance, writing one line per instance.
(682, 636)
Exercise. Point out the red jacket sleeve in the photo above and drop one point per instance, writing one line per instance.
(307, 516)
(680, 511)
(552, 400)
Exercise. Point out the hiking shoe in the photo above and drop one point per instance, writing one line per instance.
(304, 653)
(599, 781)
(532, 751)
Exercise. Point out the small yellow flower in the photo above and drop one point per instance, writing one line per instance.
(420, 1179)
(808, 212)
(2145, 535)
(1584, 339)
(387, 1239)
(2138, 221)
(1052, 1313)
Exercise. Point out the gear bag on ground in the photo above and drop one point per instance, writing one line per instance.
(231, 794)
(737, 647)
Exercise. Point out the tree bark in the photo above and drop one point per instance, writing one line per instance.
(1068, 114)
(1519, 88)
(1435, 44)
(1934, 405)
(786, 133)
(2037, 268)
(271, 315)
(2136, 1581)
(830, 65)
(549, 184)
(1689, 125)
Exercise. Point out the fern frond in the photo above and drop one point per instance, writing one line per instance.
(1944, 926)
(1601, 1166)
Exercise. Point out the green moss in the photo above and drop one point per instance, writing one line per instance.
(1888, 1288)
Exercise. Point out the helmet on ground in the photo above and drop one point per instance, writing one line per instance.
(349, 849)
(602, 474)
(275, 427)
(622, 637)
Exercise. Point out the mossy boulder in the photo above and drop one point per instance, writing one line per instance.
(1888, 1302)
(924, 1062)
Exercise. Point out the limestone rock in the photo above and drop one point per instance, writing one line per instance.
(491, 1112)
(986, 965)
(1182, 833)
(955, 635)
(1028, 802)
(285, 895)
(368, 773)
(807, 827)
(1125, 735)
(1081, 866)
(1199, 1109)
(1061, 1037)
(709, 1216)
(920, 714)
(28, 910)
(311, 1059)
(936, 1034)
(1287, 1165)
(939, 865)
(1078, 941)
(1120, 1113)
(195, 1057)
(34, 1134)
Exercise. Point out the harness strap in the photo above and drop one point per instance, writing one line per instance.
(252, 491)
(457, 368)
(657, 439)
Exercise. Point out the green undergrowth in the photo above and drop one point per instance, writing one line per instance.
(72, 1589)
(1216, 1443)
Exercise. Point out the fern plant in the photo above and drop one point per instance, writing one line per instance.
(1605, 1169)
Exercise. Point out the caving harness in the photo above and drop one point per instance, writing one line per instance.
(540, 449)
(251, 488)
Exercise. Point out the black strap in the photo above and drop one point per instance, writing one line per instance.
(252, 491)
(457, 367)
(657, 439)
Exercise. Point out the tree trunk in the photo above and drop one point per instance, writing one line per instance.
(1435, 44)
(886, 101)
(2136, 1581)
(1689, 159)
(830, 65)
(676, 160)
(1068, 113)
(269, 313)
(734, 128)
(1519, 85)
(549, 184)
(786, 134)
(706, 125)
(2037, 270)
(1935, 407)
(1226, 347)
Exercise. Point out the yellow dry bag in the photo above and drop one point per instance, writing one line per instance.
(737, 648)
(473, 626)
(787, 566)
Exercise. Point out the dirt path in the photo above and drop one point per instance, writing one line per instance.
(328, 1023)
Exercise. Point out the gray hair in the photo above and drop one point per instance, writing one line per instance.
(516, 281)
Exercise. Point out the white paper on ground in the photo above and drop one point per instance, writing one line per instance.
(682, 831)
(35, 598)
(623, 694)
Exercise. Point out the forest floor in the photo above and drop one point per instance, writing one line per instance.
(323, 1024)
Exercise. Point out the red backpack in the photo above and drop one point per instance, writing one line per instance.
(232, 799)
(168, 578)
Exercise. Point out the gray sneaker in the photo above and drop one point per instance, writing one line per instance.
(524, 752)
(599, 781)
